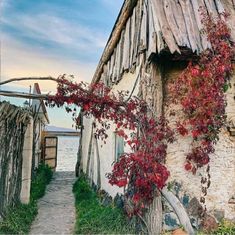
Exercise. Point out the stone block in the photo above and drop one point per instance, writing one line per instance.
(185, 200)
(107, 201)
(219, 215)
(171, 222)
(209, 224)
(119, 201)
(195, 209)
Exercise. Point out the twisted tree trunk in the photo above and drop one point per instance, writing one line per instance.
(154, 217)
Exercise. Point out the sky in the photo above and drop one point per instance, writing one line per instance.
(42, 38)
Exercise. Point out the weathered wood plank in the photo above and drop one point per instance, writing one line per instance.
(196, 6)
(179, 18)
(120, 57)
(143, 30)
(189, 24)
(160, 43)
(229, 7)
(126, 47)
(211, 7)
(158, 9)
(169, 11)
(116, 68)
(195, 27)
(219, 6)
(133, 29)
(152, 37)
(104, 76)
(113, 67)
(137, 31)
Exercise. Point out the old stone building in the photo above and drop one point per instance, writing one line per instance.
(151, 43)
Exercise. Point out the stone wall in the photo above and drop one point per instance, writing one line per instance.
(219, 200)
(187, 187)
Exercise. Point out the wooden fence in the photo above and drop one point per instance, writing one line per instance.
(13, 124)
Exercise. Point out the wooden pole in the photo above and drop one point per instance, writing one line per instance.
(23, 95)
(28, 79)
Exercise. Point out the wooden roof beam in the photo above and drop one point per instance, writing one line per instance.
(124, 15)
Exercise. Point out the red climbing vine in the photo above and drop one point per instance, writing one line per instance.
(143, 169)
(200, 91)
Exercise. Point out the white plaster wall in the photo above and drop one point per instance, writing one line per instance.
(106, 151)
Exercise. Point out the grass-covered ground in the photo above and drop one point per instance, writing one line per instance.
(225, 228)
(92, 217)
(19, 219)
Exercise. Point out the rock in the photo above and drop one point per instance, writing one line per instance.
(171, 222)
(209, 223)
(179, 231)
(119, 201)
(185, 200)
(195, 209)
(219, 215)
(101, 194)
(107, 201)
(231, 200)
(194, 223)
(177, 188)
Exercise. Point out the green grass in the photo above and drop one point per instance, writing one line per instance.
(92, 217)
(225, 228)
(19, 219)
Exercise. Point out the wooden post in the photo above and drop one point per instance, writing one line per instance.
(27, 164)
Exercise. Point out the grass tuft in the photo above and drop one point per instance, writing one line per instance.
(18, 219)
(92, 217)
(225, 228)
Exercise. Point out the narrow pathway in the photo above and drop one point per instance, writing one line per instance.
(56, 210)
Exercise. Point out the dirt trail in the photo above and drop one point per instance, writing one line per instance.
(56, 210)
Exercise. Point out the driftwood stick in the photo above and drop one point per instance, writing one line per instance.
(28, 79)
(179, 210)
(23, 95)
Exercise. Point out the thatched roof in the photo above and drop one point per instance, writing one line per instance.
(152, 26)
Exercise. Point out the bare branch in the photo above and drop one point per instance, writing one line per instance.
(49, 78)
(23, 95)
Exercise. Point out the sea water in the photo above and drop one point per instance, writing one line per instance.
(67, 153)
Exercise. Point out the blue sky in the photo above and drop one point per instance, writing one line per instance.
(53, 37)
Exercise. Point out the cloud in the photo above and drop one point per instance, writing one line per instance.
(22, 60)
(41, 38)
(51, 28)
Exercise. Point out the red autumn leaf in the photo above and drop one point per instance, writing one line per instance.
(121, 183)
(195, 71)
(188, 166)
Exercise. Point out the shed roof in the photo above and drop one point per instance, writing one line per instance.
(38, 105)
(152, 26)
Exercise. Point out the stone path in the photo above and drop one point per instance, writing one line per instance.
(56, 210)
